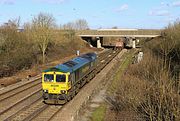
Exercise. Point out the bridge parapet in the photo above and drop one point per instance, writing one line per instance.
(140, 32)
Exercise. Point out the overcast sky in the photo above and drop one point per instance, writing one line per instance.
(150, 14)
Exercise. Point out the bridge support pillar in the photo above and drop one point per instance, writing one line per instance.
(133, 44)
(89, 42)
(98, 43)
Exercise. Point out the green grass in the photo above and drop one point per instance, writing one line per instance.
(119, 73)
(99, 113)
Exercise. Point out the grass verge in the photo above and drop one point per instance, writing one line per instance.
(99, 113)
(127, 59)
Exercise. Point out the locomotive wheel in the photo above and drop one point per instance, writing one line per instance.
(88, 78)
(69, 97)
(77, 88)
(73, 93)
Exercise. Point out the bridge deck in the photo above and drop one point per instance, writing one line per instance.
(119, 33)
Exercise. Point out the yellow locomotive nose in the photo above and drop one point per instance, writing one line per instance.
(55, 83)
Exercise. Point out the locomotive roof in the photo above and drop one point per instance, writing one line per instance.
(73, 64)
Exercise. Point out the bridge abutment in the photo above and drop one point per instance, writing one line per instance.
(133, 44)
(98, 43)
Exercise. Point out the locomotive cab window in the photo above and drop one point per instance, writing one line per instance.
(60, 78)
(48, 77)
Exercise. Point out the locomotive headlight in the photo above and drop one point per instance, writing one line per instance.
(63, 91)
(45, 91)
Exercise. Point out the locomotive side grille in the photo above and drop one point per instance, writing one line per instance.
(70, 63)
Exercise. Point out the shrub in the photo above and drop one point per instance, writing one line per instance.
(149, 87)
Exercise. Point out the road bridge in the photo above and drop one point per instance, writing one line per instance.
(120, 33)
(131, 34)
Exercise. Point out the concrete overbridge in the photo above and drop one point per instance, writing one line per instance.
(120, 33)
(130, 34)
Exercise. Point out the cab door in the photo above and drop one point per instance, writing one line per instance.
(71, 80)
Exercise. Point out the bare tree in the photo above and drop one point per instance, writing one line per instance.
(81, 24)
(42, 27)
(69, 26)
(9, 35)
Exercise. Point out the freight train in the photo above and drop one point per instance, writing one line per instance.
(119, 44)
(115, 43)
(62, 82)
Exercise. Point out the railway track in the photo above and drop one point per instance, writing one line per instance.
(4, 94)
(17, 91)
(30, 112)
(24, 103)
(105, 58)
(48, 114)
(13, 106)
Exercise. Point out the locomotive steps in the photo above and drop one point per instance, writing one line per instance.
(70, 111)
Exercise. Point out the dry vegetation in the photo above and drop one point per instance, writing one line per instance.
(40, 41)
(151, 88)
